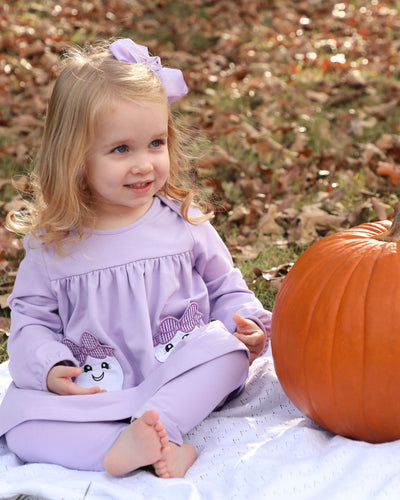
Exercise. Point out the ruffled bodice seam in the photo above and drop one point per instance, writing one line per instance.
(132, 263)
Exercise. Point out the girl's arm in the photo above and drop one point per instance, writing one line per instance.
(34, 345)
(228, 292)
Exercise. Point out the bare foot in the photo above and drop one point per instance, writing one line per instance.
(175, 461)
(140, 444)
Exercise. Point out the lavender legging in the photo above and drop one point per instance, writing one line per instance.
(182, 403)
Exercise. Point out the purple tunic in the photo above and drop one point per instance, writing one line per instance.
(143, 297)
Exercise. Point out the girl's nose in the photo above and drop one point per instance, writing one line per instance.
(141, 163)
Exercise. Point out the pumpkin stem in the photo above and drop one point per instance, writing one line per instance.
(393, 233)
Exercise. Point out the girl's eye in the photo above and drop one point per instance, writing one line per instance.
(105, 365)
(87, 368)
(157, 143)
(121, 149)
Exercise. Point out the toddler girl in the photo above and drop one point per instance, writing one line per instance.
(129, 322)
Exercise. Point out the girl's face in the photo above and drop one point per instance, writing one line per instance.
(128, 161)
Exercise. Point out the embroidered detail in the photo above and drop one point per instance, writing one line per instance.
(172, 331)
(170, 326)
(89, 346)
(99, 365)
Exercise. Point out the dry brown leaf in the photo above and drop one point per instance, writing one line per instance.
(382, 110)
(275, 275)
(370, 151)
(25, 123)
(313, 221)
(248, 252)
(385, 142)
(239, 213)
(381, 209)
(355, 78)
(9, 244)
(267, 224)
(358, 125)
(320, 97)
(5, 325)
(4, 300)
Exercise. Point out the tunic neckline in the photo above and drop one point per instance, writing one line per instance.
(137, 222)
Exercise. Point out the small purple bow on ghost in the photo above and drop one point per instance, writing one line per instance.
(170, 325)
(89, 346)
(172, 79)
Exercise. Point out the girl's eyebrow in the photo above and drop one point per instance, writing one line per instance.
(162, 133)
(120, 141)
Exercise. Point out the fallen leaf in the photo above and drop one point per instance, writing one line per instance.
(4, 300)
(313, 222)
(267, 224)
(389, 170)
(5, 325)
(381, 209)
(383, 110)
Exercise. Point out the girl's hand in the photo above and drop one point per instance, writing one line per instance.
(250, 334)
(59, 381)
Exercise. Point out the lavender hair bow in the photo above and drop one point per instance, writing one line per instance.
(128, 51)
(89, 346)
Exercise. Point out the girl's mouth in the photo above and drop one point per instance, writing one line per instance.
(97, 379)
(139, 185)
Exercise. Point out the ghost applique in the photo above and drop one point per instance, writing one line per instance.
(172, 331)
(100, 367)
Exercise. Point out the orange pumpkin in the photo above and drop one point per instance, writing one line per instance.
(336, 332)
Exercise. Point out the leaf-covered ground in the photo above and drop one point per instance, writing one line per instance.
(298, 101)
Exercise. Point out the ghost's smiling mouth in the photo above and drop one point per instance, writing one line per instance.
(97, 379)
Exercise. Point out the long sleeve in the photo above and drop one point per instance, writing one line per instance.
(227, 289)
(36, 327)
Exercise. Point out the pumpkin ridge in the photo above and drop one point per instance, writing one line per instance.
(316, 411)
(370, 427)
(379, 433)
(341, 259)
(372, 249)
(342, 303)
(367, 230)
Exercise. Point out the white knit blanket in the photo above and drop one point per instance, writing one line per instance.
(258, 447)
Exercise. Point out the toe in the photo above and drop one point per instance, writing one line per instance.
(161, 470)
(151, 417)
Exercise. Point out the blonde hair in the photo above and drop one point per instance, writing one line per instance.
(90, 80)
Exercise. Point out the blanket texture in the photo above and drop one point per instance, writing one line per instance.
(259, 446)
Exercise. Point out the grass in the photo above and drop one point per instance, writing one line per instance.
(255, 270)
(3, 346)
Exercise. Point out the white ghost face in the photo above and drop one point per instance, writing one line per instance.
(162, 351)
(105, 373)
